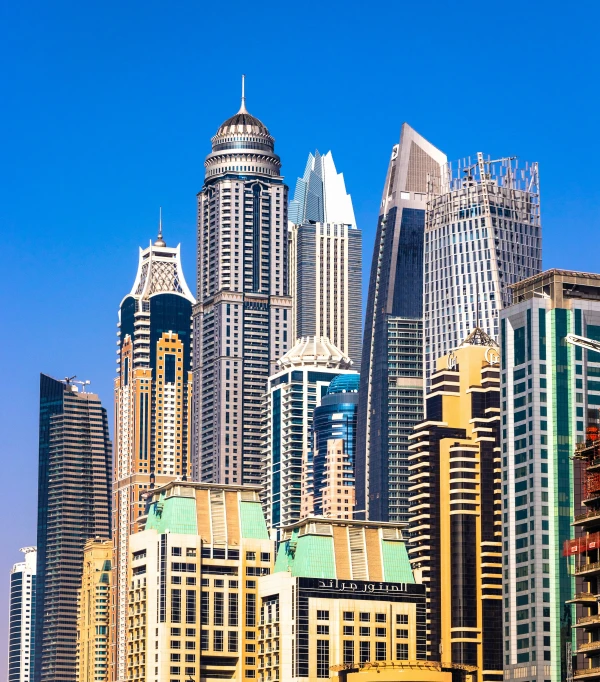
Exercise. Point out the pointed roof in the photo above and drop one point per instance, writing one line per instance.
(478, 337)
(243, 119)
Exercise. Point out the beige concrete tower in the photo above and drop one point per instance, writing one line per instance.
(152, 406)
(242, 322)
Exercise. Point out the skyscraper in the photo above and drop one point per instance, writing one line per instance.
(293, 393)
(549, 389)
(93, 612)
(333, 451)
(391, 383)
(482, 234)
(21, 633)
(242, 321)
(456, 536)
(152, 405)
(325, 259)
(74, 504)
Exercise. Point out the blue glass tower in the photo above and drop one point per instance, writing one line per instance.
(334, 419)
(391, 385)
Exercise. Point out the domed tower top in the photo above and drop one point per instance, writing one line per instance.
(242, 145)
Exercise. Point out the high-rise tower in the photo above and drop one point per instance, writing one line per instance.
(152, 406)
(74, 504)
(242, 321)
(325, 259)
(21, 634)
(482, 234)
(391, 380)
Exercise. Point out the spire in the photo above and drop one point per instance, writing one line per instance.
(243, 109)
(160, 241)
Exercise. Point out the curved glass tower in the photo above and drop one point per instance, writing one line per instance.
(242, 322)
(391, 387)
(334, 428)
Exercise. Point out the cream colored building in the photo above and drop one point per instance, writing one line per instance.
(193, 610)
(93, 600)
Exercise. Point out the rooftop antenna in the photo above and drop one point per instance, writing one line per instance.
(160, 241)
(243, 107)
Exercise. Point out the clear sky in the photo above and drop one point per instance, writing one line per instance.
(107, 110)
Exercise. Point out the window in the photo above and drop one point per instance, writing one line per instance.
(190, 671)
(265, 556)
(348, 615)
(380, 651)
(380, 632)
(190, 644)
(190, 551)
(190, 606)
(232, 611)
(190, 658)
(250, 647)
(365, 617)
(218, 608)
(175, 670)
(175, 580)
(348, 651)
(322, 615)
(175, 644)
(250, 673)
(323, 658)
(402, 652)
(218, 640)
(402, 634)
(176, 606)
(365, 631)
(250, 556)
(402, 619)
(365, 652)
(232, 641)
(250, 610)
(380, 617)
(175, 551)
(204, 608)
(349, 630)
(190, 581)
(250, 660)
(322, 629)
(175, 632)
(204, 640)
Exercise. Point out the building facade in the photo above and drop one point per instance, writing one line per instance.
(74, 504)
(93, 608)
(303, 376)
(325, 256)
(242, 322)
(342, 594)
(21, 626)
(153, 400)
(329, 486)
(483, 233)
(391, 388)
(548, 390)
(197, 615)
(456, 522)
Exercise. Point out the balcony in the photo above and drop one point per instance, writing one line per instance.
(587, 674)
(589, 647)
(588, 621)
(588, 568)
(587, 517)
(582, 598)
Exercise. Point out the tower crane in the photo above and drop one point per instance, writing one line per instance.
(583, 342)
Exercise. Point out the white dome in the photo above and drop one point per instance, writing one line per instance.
(316, 351)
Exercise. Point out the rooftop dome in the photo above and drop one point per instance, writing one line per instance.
(242, 122)
(344, 383)
(316, 351)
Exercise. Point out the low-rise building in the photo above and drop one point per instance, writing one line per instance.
(193, 577)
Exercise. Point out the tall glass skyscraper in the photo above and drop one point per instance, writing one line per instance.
(549, 390)
(152, 406)
(74, 504)
(482, 234)
(21, 633)
(333, 434)
(391, 379)
(242, 321)
(325, 259)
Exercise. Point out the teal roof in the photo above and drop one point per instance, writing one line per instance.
(175, 514)
(252, 521)
(344, 383)
(396, 566)
(308, 556)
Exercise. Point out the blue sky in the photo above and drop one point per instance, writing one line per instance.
(107, 111)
